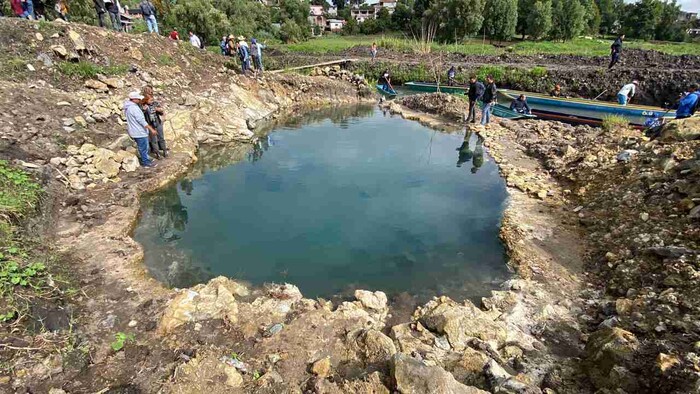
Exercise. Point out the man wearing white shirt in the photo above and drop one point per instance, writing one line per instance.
(627, 92)
(195, 41)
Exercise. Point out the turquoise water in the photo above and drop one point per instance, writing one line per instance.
(333, 201)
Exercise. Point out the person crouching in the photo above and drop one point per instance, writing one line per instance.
(137, 127)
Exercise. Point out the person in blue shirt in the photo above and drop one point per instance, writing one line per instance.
(689, 103)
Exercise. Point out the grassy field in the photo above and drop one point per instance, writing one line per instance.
(586, 47)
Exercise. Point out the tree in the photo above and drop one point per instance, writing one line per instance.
(199, 16)
(669, 28)
(291, 32)
(501, 18)
(456, 19)
(402, 17)
(611, 12)
(539, 20)
(339, 4)
(568, 19)
(351, 27)
(383, 20)
(250, 17)
(525, 8)
(642, 18)
(592, 17)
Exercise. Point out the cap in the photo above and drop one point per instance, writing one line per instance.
(135, 96)
(635, 82)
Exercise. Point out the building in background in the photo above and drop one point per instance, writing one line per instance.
(335, 25)
(370, 9)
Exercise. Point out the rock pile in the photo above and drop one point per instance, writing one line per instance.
(88, 165)
(336, 72)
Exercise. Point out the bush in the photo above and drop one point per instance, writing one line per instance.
(614, 122)
(291, 32)
(89, 70)
(19, 194)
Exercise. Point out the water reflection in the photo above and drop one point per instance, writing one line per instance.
(466, 154)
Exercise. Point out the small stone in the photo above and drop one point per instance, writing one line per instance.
(322, 367)
(80, 121)
(542, 194)
(133, 323)
(666, 361)
(39, 37)
(644, 216)
(233, 377)
(78, 42)
(63, 104)
(68, 122)
(96, 85)
(55, 35)
(60, 50)
(68, 129)
(30, 67)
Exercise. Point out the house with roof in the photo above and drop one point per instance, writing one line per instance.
(370, 9)
(317, 16)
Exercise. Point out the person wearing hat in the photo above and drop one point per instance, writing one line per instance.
(137, 126)
(243, 54)
(627, 92)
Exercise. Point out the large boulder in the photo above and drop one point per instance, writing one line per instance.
(607, 351)
(414, 377)
(213, 300)
(461, 323)
(373, 300)
(371, 346)
(681, 130)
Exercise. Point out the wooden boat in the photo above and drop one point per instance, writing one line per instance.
(576, 110)
(505, 112)
(431, 87)
(390, 93)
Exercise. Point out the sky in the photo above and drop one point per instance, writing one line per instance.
(686, 5)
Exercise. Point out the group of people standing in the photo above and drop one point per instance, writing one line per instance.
(144, 119)
(486, 93)
(249, 55)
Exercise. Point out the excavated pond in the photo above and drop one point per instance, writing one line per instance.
(336, 200)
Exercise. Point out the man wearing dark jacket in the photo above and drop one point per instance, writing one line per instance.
(476, 90)
(616, 51)
(100, 9)
(520, 106)
(488, 99)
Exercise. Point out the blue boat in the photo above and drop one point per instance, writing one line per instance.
(390, 92)
(506, 113)
(576, 110)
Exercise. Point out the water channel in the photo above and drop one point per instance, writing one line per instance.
(332, 201)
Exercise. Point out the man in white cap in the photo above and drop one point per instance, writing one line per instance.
(137, 127)
(627, 92)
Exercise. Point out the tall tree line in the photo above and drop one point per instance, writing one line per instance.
(542, 19)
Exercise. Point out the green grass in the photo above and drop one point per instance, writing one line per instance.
(613, 122)
(165, 60)
(89, 70)
(19, 194)
(333, 44)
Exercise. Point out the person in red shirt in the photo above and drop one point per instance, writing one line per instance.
(17, 8)
(174, 35)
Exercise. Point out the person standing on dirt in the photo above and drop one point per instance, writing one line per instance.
(194, 40)
(244, 54)
(616, 51)
(113, 10)
(101, 11)
(627, 92)
(153, 112)
(373, 51)
(137, 127)
(256, 52)
(451, 74)
(148, 11)
(476, 90)
(488, 100)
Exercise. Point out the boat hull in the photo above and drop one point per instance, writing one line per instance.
(432, 88)
(386, 92)
(576, 110)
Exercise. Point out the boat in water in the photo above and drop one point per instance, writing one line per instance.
(390, 92)
(432, 88)
(577, 110)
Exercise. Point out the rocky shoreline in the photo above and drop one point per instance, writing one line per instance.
(573, 319)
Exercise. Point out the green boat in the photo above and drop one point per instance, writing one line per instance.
(431, 87)
(390, 92)
(502, 111)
